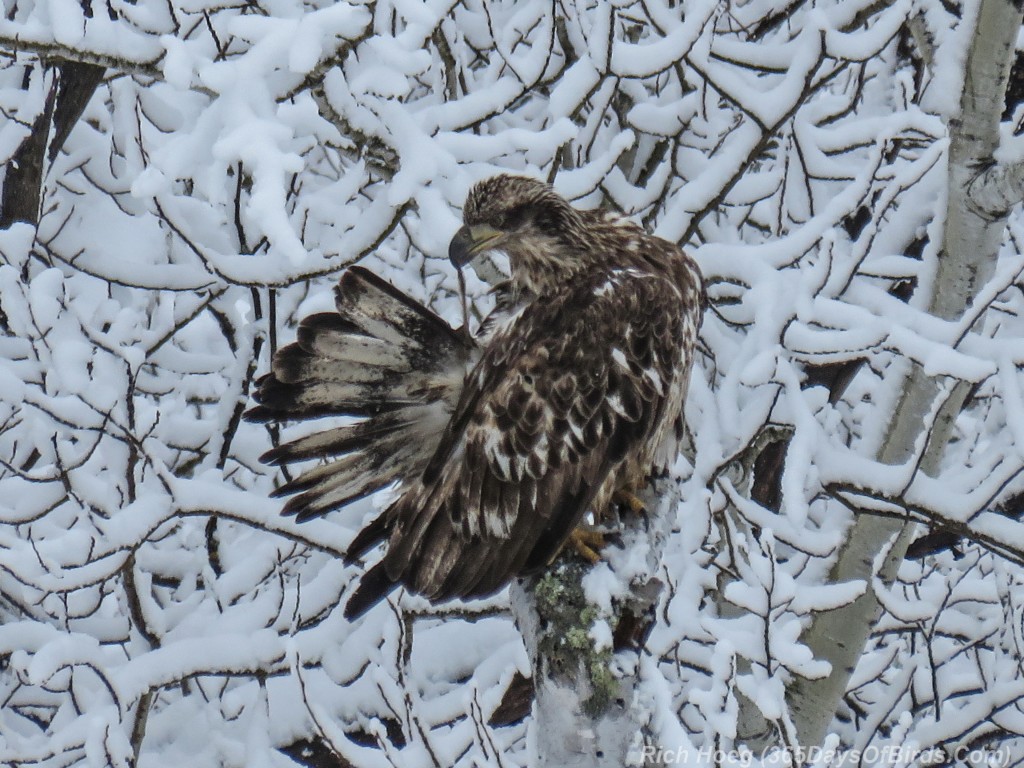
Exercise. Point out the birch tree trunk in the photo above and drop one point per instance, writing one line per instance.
(975, 221)
(589, 710)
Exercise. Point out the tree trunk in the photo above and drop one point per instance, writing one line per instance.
(589, 710)
(23, 182)
(971, 239)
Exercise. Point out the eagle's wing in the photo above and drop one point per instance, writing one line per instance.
(562, 395)
(381, 357)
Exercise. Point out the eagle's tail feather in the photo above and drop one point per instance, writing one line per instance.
(383, 358)
(344, 439)
(382, 351)
(352, 476)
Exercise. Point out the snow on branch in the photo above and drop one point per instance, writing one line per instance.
(236, 156)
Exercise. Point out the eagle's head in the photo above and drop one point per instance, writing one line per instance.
(544, 237)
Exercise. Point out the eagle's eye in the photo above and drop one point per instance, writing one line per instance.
(514, 218)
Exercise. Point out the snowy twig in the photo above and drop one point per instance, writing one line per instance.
(52, 49)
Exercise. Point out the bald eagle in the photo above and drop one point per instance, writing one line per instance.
(499, 444)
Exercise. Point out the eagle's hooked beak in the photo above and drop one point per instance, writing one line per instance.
(469, 241)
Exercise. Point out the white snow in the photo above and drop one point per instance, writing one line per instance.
(234, 159)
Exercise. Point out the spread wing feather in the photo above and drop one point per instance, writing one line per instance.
(380, 351)
(562, 394)
(383, 358)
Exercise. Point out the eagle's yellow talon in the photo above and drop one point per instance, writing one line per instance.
(587, 543)
(628, 499)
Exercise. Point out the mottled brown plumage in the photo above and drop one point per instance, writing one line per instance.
(575, 390)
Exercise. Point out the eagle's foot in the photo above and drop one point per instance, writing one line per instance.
(626, 498)
(588, 543)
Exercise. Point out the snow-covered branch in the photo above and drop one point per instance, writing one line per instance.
(966, 260)
(154, 608)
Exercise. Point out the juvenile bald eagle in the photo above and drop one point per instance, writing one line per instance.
(573, 389)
